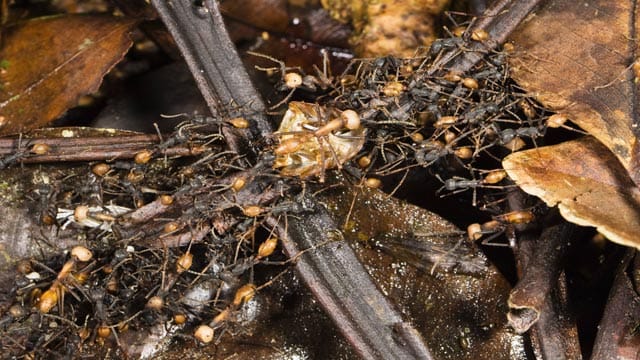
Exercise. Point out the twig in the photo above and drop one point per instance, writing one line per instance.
(91, 148)
(618, 335)
(541, 264)
(217, 69)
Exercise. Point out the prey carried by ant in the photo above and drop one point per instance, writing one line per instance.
(313, 139)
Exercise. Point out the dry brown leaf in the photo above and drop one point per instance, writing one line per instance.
(587, 183)
(50, 62)
(575, 56)
(400, 245)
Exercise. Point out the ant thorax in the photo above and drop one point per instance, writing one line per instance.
(313, 139)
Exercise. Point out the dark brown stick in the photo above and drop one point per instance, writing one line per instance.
(539, 302)
(618, 335)
(102, 148)
(217, 69)
(345, 290)
(541, 262)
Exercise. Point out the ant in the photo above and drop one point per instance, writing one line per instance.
(500, 224)
(440, 45)
(184, 130)
(511, 138)
(481, 113)
(91, 190)
(508, 135)
(457, 184)
(292, 80)
(19, 154)
(55, 293)
(47, 193)
(431, 151)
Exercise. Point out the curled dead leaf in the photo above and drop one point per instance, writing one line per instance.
(576, 57)
(586, 181)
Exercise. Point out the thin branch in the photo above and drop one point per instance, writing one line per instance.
(103, 148)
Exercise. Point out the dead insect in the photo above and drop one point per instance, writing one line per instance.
(313, 139)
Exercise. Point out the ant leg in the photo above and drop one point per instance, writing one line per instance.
(322, 160)
(283, 101)
(487, 241)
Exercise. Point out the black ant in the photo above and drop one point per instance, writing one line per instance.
(48, 208)
(457, 184)
(19, 154)
(499, 224)
(294, 78)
